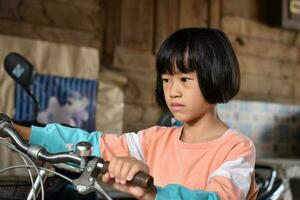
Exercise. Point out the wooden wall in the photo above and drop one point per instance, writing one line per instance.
(73, 22)
(129, 32)
(268, 55)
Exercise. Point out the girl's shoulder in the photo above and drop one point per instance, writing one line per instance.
(238, 145)
(237, 136)
(238, 141)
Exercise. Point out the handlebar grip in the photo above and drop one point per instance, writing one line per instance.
(4, 118)
(141, 179)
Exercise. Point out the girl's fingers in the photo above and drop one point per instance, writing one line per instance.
(124, 171)
(111, 167)
(106, 178)
(117, 168)
(133, 170)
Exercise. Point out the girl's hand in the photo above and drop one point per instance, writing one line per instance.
(121, 170)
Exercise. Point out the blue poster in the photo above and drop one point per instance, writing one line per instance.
(63, 100)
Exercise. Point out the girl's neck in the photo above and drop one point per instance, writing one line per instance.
(206, 128)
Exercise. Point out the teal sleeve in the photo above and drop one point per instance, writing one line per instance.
(178, 192)
(55, 138)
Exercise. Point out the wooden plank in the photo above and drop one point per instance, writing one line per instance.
(269, 80)
(138, 116)
(60, 35)
(214, 13)
(111, 32)
(255, 29)
(267, 67)
(139, 68)
(297, 73)
(71, 16)
(296, 84)
(166, 20)
(9, 9)
(33, 12)
(254, 96)
(140, 89)
(137, 24)
(89, 4)
(134, 61)
(244, 8)
(264, 48)
(262, 84)
(55, 14)
(193, 13)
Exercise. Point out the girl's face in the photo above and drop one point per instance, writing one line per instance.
(183, 96)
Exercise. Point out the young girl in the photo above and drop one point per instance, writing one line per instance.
(203, 158)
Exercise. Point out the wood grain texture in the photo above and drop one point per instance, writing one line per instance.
(136, 30)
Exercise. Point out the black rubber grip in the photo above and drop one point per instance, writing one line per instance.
(141, 179)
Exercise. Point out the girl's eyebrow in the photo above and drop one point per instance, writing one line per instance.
(187, 73)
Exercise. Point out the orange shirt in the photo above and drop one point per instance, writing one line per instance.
(224, 165)
(222, 168)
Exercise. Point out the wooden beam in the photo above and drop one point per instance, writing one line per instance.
(166, 20)
(136, 31)
(214, 13)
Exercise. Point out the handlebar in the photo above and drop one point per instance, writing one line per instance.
(39, 153)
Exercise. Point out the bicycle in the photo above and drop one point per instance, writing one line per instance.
(79, 161)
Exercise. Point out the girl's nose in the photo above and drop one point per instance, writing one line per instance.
(175, 90)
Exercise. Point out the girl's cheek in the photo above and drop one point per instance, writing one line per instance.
(166, 89)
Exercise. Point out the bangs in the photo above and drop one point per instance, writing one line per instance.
(175, 60)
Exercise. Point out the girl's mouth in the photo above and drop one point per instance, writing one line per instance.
(176, 107)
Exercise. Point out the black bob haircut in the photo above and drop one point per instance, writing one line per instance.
(205, 51)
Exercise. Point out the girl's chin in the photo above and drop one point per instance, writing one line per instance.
(180, 117)
(183, 118)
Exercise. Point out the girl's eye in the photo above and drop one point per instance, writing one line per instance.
(165, 80)
(184, 79)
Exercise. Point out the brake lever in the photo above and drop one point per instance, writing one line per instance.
(68, 167)
(98, 188)
(95, 166)
(87, 182)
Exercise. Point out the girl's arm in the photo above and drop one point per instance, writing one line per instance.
(57, 138)
(178, 192)
(23, 131)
